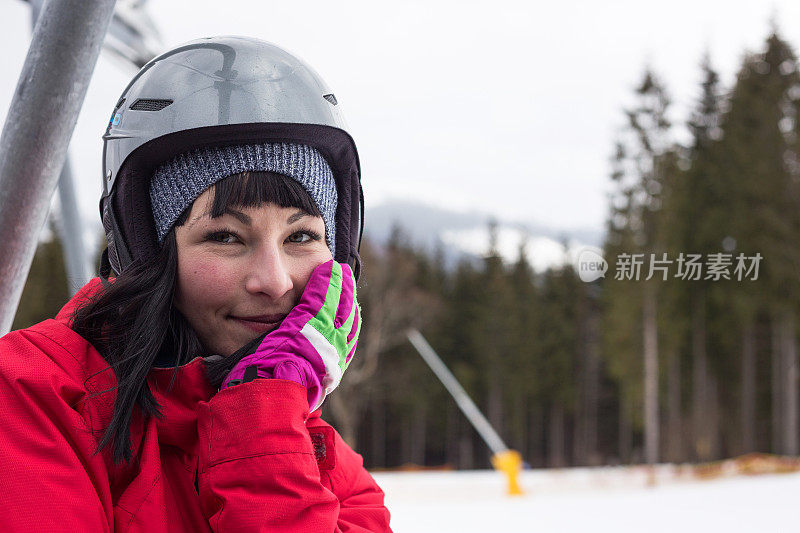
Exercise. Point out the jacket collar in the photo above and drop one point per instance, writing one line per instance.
(179, 393)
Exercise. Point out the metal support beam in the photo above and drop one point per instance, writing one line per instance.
(465, 403)
(33, 146)
(70, 229)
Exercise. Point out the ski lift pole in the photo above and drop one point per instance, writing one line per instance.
(71, 232)
(503, 459)
(70, 229)
(33, 146)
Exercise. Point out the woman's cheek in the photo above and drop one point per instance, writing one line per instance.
(205, 281)
(305, 267)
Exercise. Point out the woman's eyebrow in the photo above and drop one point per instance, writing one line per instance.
(297, 216)
(241, 217)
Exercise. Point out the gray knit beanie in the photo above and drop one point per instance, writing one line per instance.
(178, 182)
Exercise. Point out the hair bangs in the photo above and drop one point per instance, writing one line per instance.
(253, 189)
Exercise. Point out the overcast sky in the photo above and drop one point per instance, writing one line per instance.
(508, 107)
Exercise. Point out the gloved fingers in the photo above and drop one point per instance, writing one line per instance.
(355, 327)
(346, 298)
(347, 327)
(352, 340)
(351, 354)
(325, 316)
(317, 290)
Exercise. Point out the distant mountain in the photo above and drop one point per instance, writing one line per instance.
(466, 234)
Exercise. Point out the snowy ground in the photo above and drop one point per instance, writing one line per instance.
(618, 500)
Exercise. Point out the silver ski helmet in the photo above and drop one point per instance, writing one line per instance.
(219, 91)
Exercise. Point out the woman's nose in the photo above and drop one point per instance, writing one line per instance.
(268, 273)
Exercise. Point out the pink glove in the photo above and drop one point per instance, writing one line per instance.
(314, 344)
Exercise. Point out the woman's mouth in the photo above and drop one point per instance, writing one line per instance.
(260, 324)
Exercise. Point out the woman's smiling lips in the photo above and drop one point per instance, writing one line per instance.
(261, 323)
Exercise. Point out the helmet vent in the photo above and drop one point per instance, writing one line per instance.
(331, 98)
(119, 104)
(147, 104)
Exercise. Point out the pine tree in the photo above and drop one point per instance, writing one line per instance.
(493, 346)
(559, 345)
(693, 224)
(644, 164)
(760, 142)
(521, 382)
(462, 321)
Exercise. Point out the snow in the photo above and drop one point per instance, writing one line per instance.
(618, 500)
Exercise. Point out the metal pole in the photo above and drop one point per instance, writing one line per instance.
(70, 231)
(70, 228)
(52, 85)
(452, 385)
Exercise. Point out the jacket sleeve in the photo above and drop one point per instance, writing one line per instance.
(258, 471)
(361, 500)
(51, 479)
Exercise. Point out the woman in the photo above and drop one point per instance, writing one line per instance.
(183, 394)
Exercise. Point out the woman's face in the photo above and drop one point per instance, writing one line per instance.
(240, 274)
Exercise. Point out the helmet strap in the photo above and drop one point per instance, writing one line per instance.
(105, 265)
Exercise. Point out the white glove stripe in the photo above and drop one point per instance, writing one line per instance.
(330, 358)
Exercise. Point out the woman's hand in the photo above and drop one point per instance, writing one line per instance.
(315, 342)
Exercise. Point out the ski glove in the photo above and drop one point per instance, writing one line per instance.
(315, 342)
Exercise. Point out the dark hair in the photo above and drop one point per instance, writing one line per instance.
(132, 321)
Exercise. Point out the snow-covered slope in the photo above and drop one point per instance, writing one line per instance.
(590, 500)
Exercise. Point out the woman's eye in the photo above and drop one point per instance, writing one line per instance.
(224, 237)
(299, 237)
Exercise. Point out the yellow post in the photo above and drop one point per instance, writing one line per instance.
(510, 463)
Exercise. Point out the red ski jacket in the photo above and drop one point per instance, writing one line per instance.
(247, 458)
